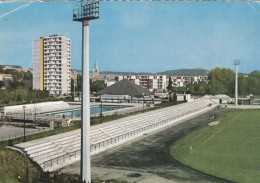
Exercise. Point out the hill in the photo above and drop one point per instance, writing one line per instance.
(15, 67)
(123, 73)
(186, 72)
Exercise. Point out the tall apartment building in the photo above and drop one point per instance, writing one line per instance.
(152, 82)
(51, 64)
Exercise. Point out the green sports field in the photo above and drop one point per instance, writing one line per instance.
(229, 150)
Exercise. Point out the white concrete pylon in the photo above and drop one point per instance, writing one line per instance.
(236, 84)
(85, 107)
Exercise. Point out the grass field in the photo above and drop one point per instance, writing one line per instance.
(229, 150)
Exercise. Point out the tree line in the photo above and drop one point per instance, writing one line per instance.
(20, 90)
(21, 95)
(21, 78)
(222, 81)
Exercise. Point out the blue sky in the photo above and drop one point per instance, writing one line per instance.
(140, 36)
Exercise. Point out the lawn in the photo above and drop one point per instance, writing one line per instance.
(229, 150)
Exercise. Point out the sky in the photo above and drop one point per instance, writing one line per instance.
(140, 36)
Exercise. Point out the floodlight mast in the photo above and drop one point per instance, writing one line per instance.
(88, 10)
(236, 63)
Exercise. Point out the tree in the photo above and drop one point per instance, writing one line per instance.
(222, 81)
(169, 87)
(1, 69)
(254, 74)
(1, 84)
(175, 97)
(97, 85)
(72, 88)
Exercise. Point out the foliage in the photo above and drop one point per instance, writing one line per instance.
(79, 79)
(222, 81)
(170, 87)
(19, 77)
(181, 89)
(1, 84)
(15, 164)
(249, 85)
(186, 72)
(97, 85)
(22, 95)
(200, 88)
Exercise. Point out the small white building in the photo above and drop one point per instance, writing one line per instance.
(6, 79)
(183, 97)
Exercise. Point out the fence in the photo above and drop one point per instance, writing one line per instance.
(38, 117)
(120, 111)
(59, 118)
(20, 134)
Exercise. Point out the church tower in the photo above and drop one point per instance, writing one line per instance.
(95, 70)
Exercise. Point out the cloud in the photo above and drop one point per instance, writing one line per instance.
(14, 10)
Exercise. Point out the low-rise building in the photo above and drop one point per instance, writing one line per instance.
(6, 79)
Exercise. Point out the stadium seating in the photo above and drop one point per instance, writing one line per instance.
(57, 151)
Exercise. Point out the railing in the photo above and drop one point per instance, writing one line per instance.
(100, 146)
(38, 117)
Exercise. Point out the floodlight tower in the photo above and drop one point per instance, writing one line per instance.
(88, 10)
(236, 63)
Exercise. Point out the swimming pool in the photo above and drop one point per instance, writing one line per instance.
(93, 110)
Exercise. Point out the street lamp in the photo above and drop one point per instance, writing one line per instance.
(88, 10)
(24, 123)
(236, 63)
(1, 114)
(101, 107)
(35, 112)
(143, 101)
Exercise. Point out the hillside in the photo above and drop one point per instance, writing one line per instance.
(186, 72)
(123, 73)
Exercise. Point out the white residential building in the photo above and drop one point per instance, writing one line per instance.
(152, 82)
(51, 64)
(180, 81)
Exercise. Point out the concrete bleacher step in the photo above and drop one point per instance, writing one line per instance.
(37, 146)
(48, 156)
(44, 151)
(40, 148)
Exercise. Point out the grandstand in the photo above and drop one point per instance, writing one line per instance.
(57, 151)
